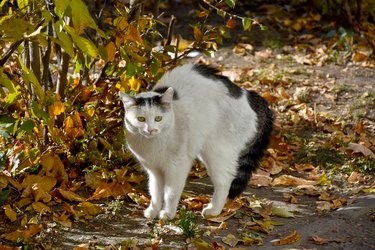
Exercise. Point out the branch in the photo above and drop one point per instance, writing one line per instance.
(14, 47)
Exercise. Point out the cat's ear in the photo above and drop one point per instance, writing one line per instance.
(167, 96)
(127, 99)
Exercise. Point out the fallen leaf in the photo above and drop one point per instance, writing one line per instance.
(84, 246)
(230, 240)
(355, 177)
(70, 196)
(9, 212)
(25, 234)
(282, 212)
(288, 180)
(221, 218)
(201, 245)
(250, 241)
(324, 206)
(89, 208)
(292, 238)
(41, 208)
(321, 241)
(359, 148)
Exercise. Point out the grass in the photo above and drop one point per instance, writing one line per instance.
(188, 223)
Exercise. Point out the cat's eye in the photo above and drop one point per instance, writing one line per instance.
(141, 118)
(158, 118)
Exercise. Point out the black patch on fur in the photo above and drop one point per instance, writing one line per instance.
(161, 90)
(143, 101)
(212, 73)
(253, 152)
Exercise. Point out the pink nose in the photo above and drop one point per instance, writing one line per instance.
(150, 130)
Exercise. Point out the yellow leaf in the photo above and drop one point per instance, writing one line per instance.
(71, 196)
(134, 84)
(9, 212)
(56, 108)
(90, 208)
(46, 183)
(292, 238)
(103, 191)
(32, 230)
(288, 180)
(93, 179)
(3, 182)
(41, 207)
(111, 51)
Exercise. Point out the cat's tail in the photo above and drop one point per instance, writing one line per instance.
(253, 152)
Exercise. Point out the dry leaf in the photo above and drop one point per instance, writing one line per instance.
(288, 180)
(41, 208)
(90, 208)
(321, 241)
(230, 240)
(71, 196)
(324, 206)
(221, 218)
(292, 238)
(359, 148)
(282, 212)
(9, 212)
(103, 191)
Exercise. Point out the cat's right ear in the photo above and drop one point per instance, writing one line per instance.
(167, 96)
(127, 99)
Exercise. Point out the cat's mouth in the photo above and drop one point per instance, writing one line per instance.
(149, 135)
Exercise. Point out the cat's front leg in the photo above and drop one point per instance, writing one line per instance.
(175, 179)
(156, 184)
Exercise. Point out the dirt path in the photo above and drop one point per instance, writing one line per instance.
(350, 227)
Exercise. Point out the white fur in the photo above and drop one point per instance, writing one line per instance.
(204, 123)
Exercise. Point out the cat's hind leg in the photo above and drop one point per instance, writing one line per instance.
(156, 188)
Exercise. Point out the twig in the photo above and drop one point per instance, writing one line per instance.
(14, 47)
(170, 31)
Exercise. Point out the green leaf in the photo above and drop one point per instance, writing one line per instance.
(221, 13)
(85, 45)
(29, 76)
(8, 84)
(155, 65)
(246, 23)
(82, 19)
(22, 4)
(61, 6)
(231, 3)
(281, 212)
(64, 40)
(27, 126)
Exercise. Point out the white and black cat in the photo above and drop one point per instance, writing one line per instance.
(194, 113)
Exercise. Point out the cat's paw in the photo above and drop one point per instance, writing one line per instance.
(209, 211)
(165, 215)
(151, 212)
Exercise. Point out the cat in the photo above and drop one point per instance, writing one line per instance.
(195, 113)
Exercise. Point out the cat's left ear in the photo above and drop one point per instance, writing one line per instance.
(127, 99)
(167, 96)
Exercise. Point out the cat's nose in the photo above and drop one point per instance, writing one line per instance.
(151, 130)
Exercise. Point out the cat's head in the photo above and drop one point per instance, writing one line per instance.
(148, 113)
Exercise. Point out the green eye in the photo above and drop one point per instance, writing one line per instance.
(158, 118)
(141, 118)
